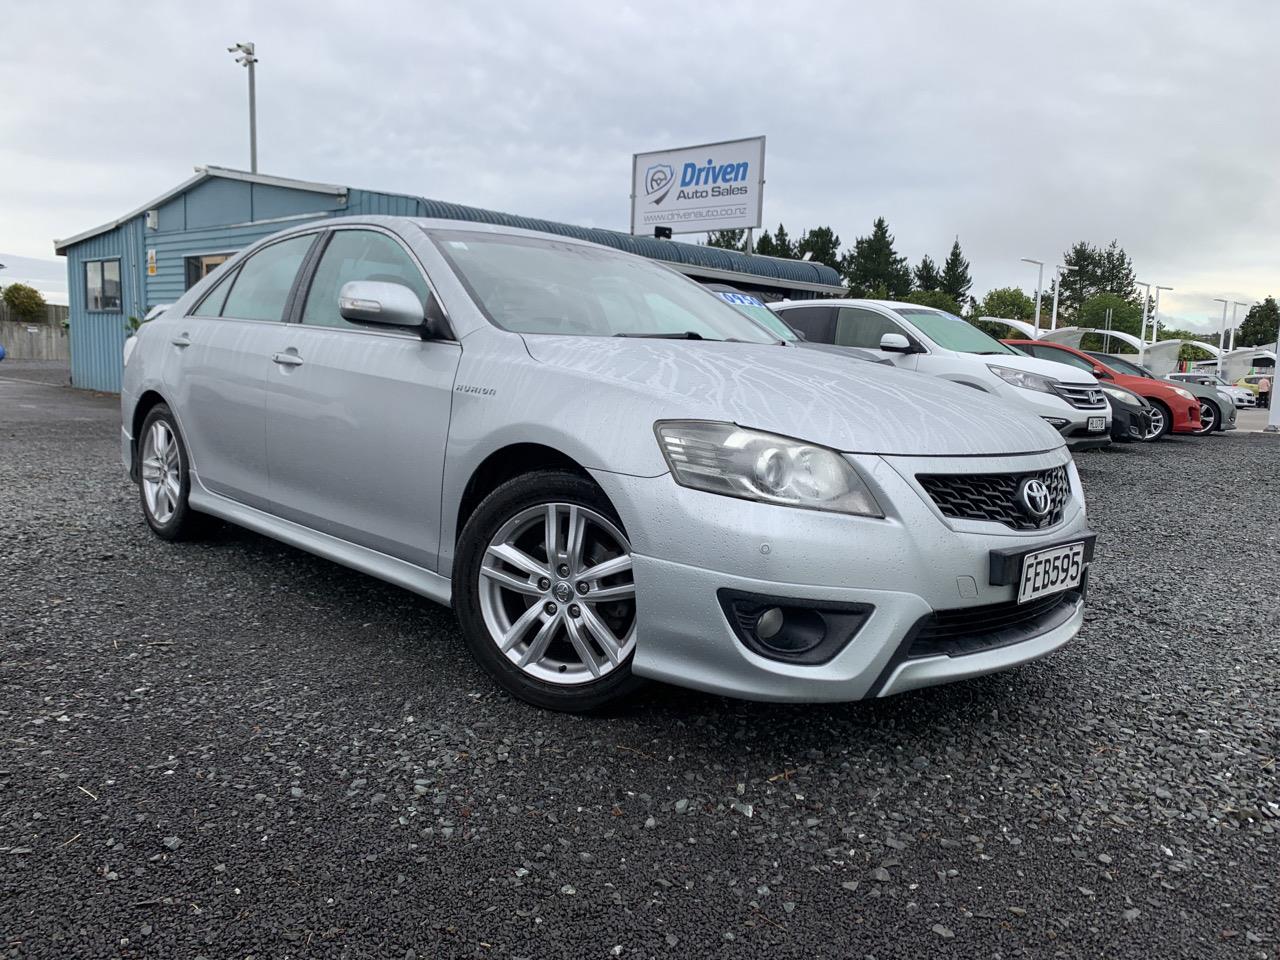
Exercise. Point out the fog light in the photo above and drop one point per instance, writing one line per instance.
(799, 631)
(1056, 422)
(769, 624)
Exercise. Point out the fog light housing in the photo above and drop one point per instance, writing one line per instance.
(790, 630)
(1056, 422)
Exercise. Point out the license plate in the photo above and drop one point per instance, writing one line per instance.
(1097, 424)
(1051, 571)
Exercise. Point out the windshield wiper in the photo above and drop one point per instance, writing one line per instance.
(684, 335)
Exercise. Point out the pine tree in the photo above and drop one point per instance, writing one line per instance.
(874, 268)
(955, 280)
(728, 239)
(926, 275)
(823, 243)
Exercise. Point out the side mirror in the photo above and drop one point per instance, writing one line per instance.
(896, 343)
(1102, 374)
(377, 303)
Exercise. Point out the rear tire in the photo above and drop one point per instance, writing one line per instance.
(529, 610)
(164, 477)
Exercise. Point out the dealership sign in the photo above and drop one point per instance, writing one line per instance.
(715, 186)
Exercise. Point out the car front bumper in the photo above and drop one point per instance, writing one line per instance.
(690, 547)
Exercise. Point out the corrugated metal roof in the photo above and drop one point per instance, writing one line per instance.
(800, 273)
(689, 257)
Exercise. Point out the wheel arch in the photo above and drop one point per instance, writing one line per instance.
(148, 401)
(507, 463)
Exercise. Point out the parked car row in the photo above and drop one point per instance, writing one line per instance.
(612, 474)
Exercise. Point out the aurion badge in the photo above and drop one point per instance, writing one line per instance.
(1034, 498)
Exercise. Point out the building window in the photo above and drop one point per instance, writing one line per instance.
(200, 267)
(102, 285)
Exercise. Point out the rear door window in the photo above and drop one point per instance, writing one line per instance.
(261, 288)
(816, 323)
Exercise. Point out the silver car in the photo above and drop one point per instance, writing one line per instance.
(609, 473)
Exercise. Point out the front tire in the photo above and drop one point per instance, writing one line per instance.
(164, 477)
(1161, 421)
(544, 592)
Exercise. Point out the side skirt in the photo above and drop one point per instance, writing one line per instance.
(407, 575)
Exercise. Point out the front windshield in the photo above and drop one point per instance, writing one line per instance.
(754, 308)
(1121, 364)
(537, 285)
(951, 333)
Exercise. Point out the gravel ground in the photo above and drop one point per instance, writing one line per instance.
(233, 749)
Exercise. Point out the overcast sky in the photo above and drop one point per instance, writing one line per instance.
(1019, 126)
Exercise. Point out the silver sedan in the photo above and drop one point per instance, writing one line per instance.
(609, 473)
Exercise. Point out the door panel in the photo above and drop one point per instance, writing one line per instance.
(218, 368)
(357, 418)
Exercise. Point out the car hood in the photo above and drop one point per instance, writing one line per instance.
(822, 397)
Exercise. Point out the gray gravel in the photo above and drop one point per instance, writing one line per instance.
(233, 749)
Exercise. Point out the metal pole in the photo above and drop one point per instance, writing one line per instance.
(1039, 287)
(1273, 418)
(253, 119)
(1053, 315)
(1155, 316)
(749, 250)
(1146, 295)
(1222, 332)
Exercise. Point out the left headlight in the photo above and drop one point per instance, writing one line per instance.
(1023, 379)
(1119, 395)
(752, 465)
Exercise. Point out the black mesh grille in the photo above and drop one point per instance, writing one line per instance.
(974, 629)
(994, 496)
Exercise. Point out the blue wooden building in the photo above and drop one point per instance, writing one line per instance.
(122, 269)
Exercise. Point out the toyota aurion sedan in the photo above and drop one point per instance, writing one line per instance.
(608, 472)
(943, 345)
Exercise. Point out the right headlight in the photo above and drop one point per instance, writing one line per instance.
(1021, 378)
(1184, 394)
(733, 461)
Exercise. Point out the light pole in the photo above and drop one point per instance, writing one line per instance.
(1222, 332)
(1155, 316)
(1039, 287)
(1234, 304)
(1146, 296)
(1273, 418)
(1057, 282)
(247, 59)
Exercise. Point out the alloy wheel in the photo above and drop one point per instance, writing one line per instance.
(1157, 422)
(1208, 417)
(161, 472)
(557, 593)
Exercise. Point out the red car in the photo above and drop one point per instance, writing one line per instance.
(1172, 408)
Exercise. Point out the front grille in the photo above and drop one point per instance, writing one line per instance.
(955, 633)
(1082, 396)
(994, 496)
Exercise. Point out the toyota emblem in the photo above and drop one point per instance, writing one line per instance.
(1035, 498)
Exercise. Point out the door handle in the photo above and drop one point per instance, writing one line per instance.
(287, 359)
(181, 341)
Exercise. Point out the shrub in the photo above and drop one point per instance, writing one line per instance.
(25, 302)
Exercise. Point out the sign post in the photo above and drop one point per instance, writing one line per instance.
(713, 186)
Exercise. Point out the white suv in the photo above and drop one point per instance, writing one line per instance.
(937, 343)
